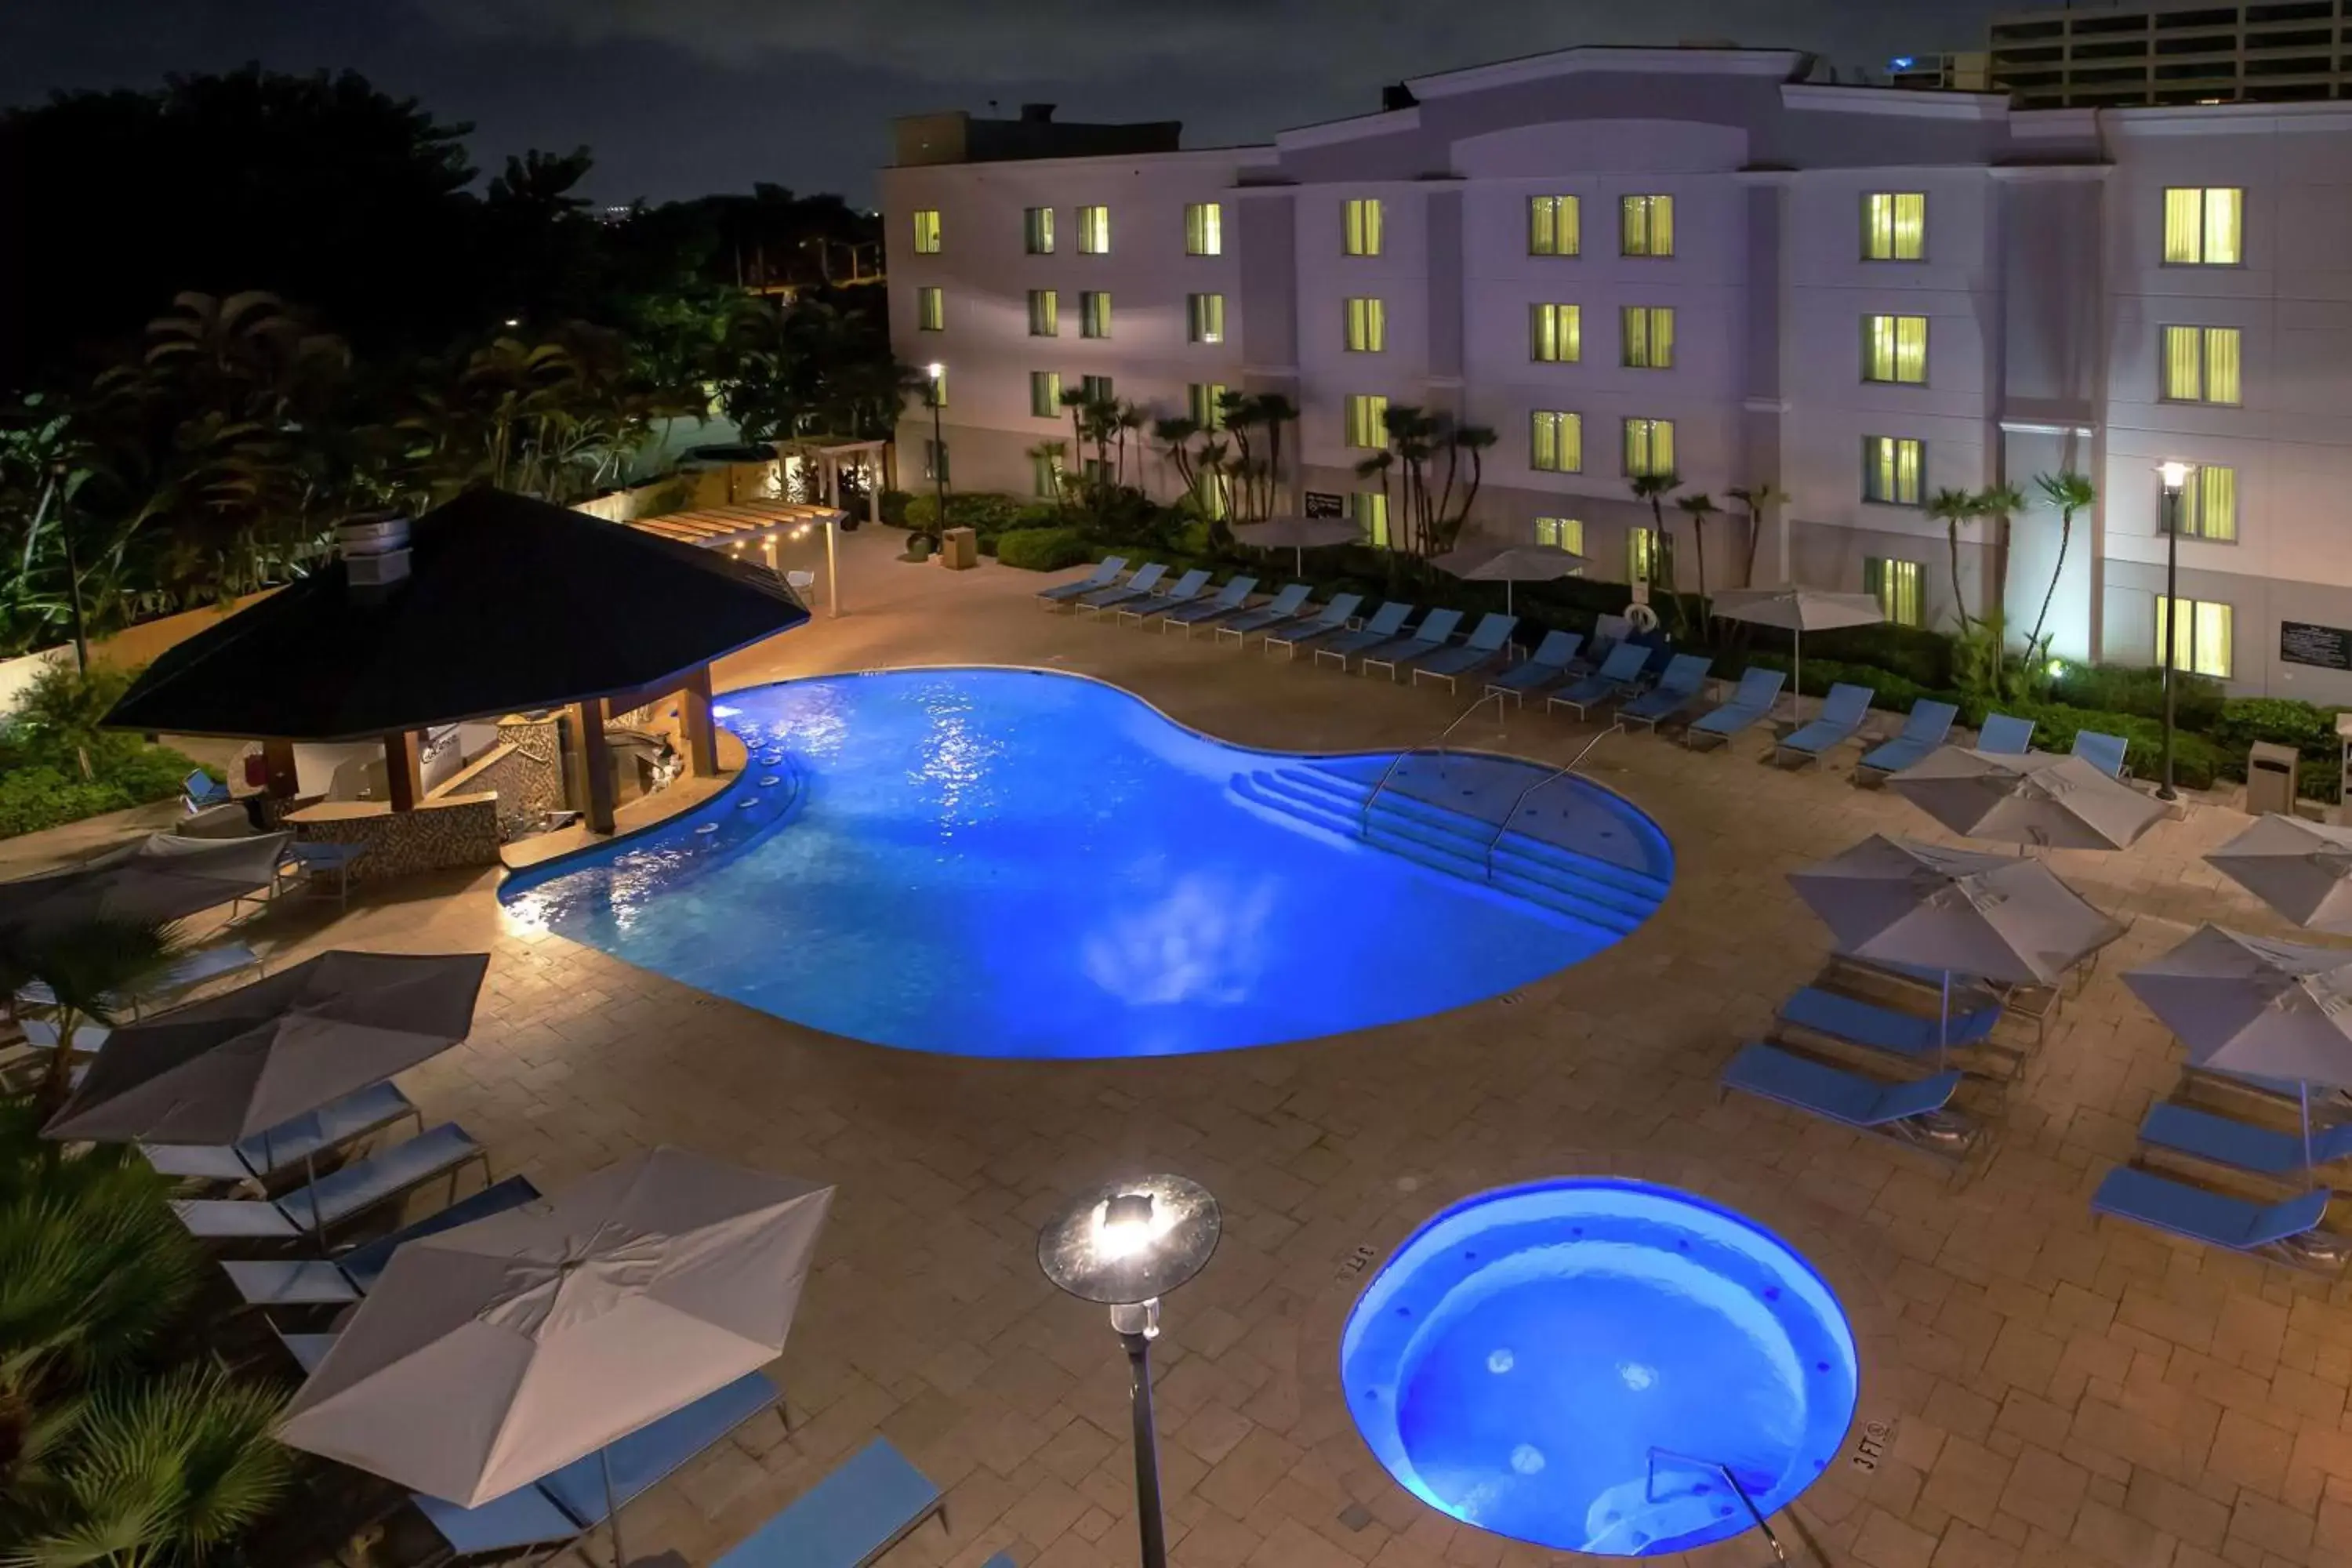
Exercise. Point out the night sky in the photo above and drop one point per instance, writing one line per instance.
(677, 98)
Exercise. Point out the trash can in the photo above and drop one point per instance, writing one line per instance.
(960, 549)
(2270, 778)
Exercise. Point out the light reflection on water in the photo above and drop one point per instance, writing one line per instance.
(1012, 863)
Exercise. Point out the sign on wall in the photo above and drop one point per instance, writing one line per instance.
(2322, 647)
(1323, 503)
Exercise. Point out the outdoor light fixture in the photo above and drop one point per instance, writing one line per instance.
(2174, 473)
(1125, 1245)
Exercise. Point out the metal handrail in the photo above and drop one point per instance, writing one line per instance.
(1560, 772)
(1436, 744)
(1720, 1468)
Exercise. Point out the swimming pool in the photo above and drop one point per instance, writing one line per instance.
(1020, 863)
(1570, 1363)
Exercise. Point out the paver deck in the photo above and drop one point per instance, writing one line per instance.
(2048, 1390)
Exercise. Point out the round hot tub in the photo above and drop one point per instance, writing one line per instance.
(1600, 1366)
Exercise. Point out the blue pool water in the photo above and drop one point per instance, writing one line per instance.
(1566, 1362)
(1016, 863)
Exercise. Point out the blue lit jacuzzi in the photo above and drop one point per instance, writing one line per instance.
(1020, 863)
(1575, 1363)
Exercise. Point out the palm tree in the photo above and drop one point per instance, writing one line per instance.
(1075, 399)
(1754, 499)
(1175, 438)
(1379, 466)
(2070, 492)
(1129, 419)
(1655, 488)
(1699, 508)
(1952, 508)
(1473, 439)
(1997, 504)
(90, 968)
(1275, 410)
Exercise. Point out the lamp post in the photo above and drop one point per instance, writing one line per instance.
(2175, 475)
(1124, 1246)
(938, 398)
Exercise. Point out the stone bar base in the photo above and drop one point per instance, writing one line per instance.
(450, 830)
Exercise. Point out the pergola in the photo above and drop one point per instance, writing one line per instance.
(492, 605)
(754, 525)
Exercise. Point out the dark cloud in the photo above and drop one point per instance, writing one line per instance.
(682, 96)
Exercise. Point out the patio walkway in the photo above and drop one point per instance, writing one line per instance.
(2049, 1391)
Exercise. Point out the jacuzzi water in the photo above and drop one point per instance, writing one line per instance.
(1016, 863)
(1570, 1362)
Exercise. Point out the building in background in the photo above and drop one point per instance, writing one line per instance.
(1698, 259)
(1940, 73)
(2172, 52)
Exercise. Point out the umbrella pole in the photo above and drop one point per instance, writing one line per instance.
(1943, 1022)
(1298, 561)
(1507, 596)
(1797, 681)
(2305, 1097)
(611, 1509)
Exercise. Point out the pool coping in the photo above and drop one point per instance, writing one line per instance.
(1797, 1221)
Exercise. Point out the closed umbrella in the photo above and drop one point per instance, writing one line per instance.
(2040, 798)
(2302, 869)
(1798, 610)
(162, 878)
(1509, 564)
(494, 1354)
(231, 1066)
(1299, 535)
(1953, 911)
(2247, 1004)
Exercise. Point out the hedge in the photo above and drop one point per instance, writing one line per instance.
(1043, 548)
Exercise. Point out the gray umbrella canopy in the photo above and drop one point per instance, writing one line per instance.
(2302, 869)
(1799, 609)
(2245, 1003)
(159, 879)
(1509, 564)
(494, 1354)
(1993, 917)
(231, 1066)
(2051, 801)
(1298, 534)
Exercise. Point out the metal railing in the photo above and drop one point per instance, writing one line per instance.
(1435, 745)
(1754, 1514)
(1556, 774)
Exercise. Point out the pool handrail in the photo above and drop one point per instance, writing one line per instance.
(1720, 1468)
(1435, 745)
(1556, 773)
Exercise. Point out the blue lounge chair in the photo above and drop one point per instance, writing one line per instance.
(1885, 1028)
(200, 791)
(2005, 736)
(1199, 611)
(1548, 664)
(2216, 1218)
(1615, 678)
(1912, 1113)
(2225, 1141)
(290, 1142)
(1105, 573)
(331, 1199)
(1923, 731)
(1486, 643)
(1138, 586)
(325, 1281)
(1681, 687)
(1384, 625)
(1332, 619)
(1435, 629)
(2104, 752)
(1284, 606)
(176, 979)
(1750, 704)
(1608, 631)
(875, 1500)
(1185, 589)
(1842, 714)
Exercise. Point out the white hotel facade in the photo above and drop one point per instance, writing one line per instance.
(1858, 296)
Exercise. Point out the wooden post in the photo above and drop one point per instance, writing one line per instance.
(597, 758)
(403, 770)
(277, 760)
(694, 717)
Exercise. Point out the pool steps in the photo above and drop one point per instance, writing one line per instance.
(1582, 888)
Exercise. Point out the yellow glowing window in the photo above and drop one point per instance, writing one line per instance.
(1890, 470)
(1893, 226)
(2203, 225)
(1370, 510)
(1555, 333)
(1648, 332)
(2208, 505)
(1044, 316)
(1641, 554)
(1094, 231)
(1037, 230)
(930, 311)
(1368, 326)
(927, 233)
(1204, 229)
(1896, 586)
(1562, 533)
(1649, 447)
(1046, 394)
(1368, 420)
(2198, 634)
(1895, 349)
(1555, 226)
(2200, 364)
(1205, 318)
(1647, 226)
(1362, 227)
(1556, 442)
(1094, 314)
(1207, 400)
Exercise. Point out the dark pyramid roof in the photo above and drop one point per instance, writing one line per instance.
(510, 605)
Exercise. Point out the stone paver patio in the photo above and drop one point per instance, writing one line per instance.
(2048, 1391)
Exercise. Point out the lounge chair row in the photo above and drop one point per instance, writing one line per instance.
(319, 1206)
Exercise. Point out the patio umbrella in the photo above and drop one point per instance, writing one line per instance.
(159, 879)
(231, 1066)
(1799, 610)
(494, 1354)
(1299, 535)
(1509, 564)
(1954, 911)
(2041, 798)
(2302, 869)
(2246, 1005)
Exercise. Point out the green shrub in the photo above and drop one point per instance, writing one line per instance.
(2281, 720)
(32, 798)
(894, 507)
(1889, 690)
(1920, 657)
(1043, 548)
(984, 512)
(2114, 689)
(2196, 762)
(2320, 780)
